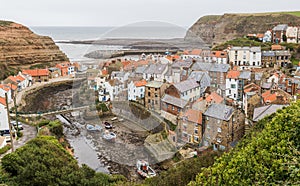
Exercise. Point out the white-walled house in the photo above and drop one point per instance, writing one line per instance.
(3, 115)
(245, 57)
(120, 75)
(274, 78)
(232, 82)
(156, 72)
(113, 87)
(6, 89)
(292, 34)
(188, 90)
(136, 90)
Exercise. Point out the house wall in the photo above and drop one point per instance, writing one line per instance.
(172, 91)
(153, 97)
(232, 88)
(9, 95)
(4, 120)
(245, 59)
(190, 132)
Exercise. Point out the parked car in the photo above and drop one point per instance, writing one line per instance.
(7, 138)
(108, 125)
(20, 125)
(114, 119)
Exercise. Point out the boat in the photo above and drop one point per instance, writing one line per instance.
(109, 136)
(144, 170)
(93, 128)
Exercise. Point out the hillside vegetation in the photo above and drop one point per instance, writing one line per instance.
(216, 29)
(269, 155)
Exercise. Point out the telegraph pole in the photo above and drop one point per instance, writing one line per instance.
(9, 124)
(16, 109)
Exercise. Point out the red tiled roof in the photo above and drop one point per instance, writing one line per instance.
(36, 72)
(4, 87)
(12, 78)
(20, 78)
(276, 47)
(140, 83)
(193, 116)
(125, 63)
(260, 35)
(196, 52)
(251, 87)
(219, 54)
(12, 86)
(269, 97)
(2, 101)
(216, 98)
(104, 72)
(233, 74)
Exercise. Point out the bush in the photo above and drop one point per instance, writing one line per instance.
(5, 149)
(43, 123)
(19, 134)
(56, 128)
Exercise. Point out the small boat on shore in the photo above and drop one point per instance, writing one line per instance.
(144, 170)
(109, 136)
(93, 128)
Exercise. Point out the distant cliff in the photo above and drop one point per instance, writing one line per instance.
(216, 29)
(21, 47)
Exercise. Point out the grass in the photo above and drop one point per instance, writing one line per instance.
(5, 23)
(296, 13)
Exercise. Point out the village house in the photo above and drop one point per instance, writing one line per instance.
(188, 90)
(113, 88)
(249, 91)
(20, 81)
(216, 72)
(180, 70)
(4, 126)
(172, 107)
(203, 79)
(276, 96)
(66, 68)
(101, 79)
(283, 58)
(219, 57)
(190, 127)
(154, 91)
(291, 86)
(120, 75)
(222, 129)
(5, 89)
(202, 103)
(194, 54)
(292, 34)
(268, 58)
(54, 72)
(278, 33)
(38, 75)
(136, 90)
(267, 36)
(245, 57)
(155, 72)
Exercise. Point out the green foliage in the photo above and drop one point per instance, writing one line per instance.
(269, 155)
(43, 161)
(5, 149)
(55, 127)
(171, 125)
(293, 13)
(43, 123)
(19, 134)
(242, 42)
(5, 23)
(102, 107)
(183, 172)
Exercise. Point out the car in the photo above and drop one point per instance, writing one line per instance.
(20, 125)
(114, 119)
(7, 138)
(121, 119)
(108, 125)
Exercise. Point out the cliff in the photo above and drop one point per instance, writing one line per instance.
(20, 47)
(216, 29)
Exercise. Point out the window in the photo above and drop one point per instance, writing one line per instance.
(179, 109)
(233, 86)
(155, 89)
(149, 94)
(253, 63)
(234, 95)
(219, 130)
(156, 102)
(196, 131)
(156, 95)
(219, 140)
(196, 139)
(173, 108)
(149, 100)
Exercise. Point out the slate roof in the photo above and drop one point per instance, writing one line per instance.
(258, 76)
(140, 69)
(154, 84)
(219, 111)
(281, 27)
(245, 75)
(201, 77)
(268, 54)
(252, 49)
(180, 64)
(174, 101)
(211, 67)
(117, 74)
(263, 111)
(156, 68)
(186, 85)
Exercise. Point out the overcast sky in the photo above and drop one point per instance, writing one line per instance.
(123, 12)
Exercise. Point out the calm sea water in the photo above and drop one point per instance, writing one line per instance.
(76, 52)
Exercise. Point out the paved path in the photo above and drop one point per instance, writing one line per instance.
(29, 133)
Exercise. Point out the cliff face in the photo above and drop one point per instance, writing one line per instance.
(21, 47)
(218, 29)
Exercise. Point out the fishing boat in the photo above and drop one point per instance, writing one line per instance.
(109, 136)
(144, 170)
(93, 128)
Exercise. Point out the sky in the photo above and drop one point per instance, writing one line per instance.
(123, 12)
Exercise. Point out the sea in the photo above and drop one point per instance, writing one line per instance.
(76, 52)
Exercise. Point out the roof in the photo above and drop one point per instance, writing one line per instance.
(212, 67)
(156, 68)
(36, 72)
(233, 74)
(141, 83)
(140, 69)
(276, 47)
(281, 27)
(268, 53)
(252, 87)
(283, 53)
(261, 112)
(219, 54)
(180, 64)
(194, 116)
(245, 75)
(266, 85)
(2, 101)
(219, 111)
(214, 97)
(4, 87)
(258, 76)
(104, 72)
(12, 86)
(154, 84)
(268, 96)
(114, 82)
(174, 101)
(196, 52)
(186, 85)
(201, 77)
(252, 49)
(117, 74)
